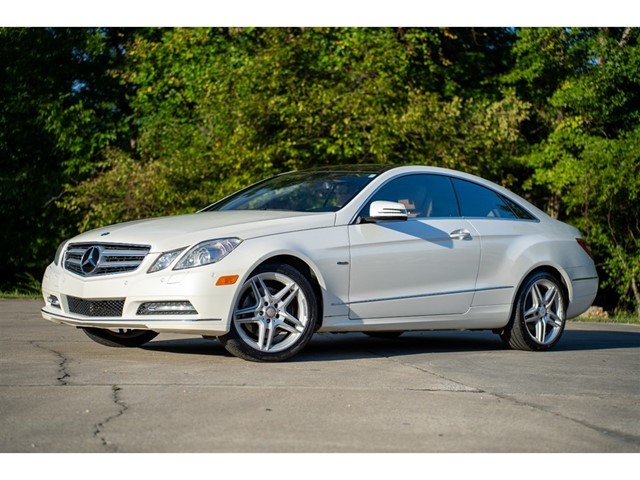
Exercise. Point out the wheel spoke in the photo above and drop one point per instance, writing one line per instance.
(283, 291)
(541, 330)
(289, 298)
(244, 311)
(256, 291)
(536, 296)
(261, 334)
(288, 328)
(248, 320)
(287, 316)
(555, 320)
(267, 293)
(550, 296)
(270, 331)
(531, 315)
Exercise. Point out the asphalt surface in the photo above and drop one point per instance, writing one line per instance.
(424, 392)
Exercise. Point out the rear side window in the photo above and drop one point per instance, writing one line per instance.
(477, 201)
(520, 212)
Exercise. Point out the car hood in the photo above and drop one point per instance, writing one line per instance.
(167, 233)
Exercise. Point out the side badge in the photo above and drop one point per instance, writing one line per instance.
(104, 234)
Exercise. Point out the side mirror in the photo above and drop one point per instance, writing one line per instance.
(385, 211)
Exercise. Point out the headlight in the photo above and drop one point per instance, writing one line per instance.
(208, 252)
(165, 260)
(59, 252)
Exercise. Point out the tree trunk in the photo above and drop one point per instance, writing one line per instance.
(553, 207)
(636, 293)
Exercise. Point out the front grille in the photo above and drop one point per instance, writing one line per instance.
(91, 259)
(111, 307)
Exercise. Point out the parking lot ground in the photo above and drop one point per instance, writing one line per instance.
(424, 392)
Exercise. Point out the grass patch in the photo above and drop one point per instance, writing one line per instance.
(27, 286)
(620, 318)
(17, 293)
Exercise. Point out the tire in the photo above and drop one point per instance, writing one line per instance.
(539, 314)
(274, 317)
(384, 335)
(121, 337)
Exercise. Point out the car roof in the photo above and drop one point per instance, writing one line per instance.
(352, 168)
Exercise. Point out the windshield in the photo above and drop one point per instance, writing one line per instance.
(299, 192)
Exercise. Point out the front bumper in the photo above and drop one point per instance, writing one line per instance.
(212, 303)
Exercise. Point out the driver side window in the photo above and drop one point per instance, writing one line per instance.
(424, 196)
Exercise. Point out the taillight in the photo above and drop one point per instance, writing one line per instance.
(585, 246)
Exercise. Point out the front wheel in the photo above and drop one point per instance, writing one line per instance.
(274, 315)
(120, 337)
(539, 315)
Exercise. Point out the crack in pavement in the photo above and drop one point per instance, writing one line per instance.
(98, 430)
(62, 381)
(62, 364)
(621, 436)
(465, 388)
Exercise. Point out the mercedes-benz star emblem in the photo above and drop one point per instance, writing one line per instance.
(90, 260)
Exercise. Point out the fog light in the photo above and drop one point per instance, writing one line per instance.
(53, 301)
(167, 308)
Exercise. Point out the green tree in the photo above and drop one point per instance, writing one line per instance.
(584, 88)
(216, 109)
(59, 108)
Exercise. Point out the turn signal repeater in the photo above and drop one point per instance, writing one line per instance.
(227, 280)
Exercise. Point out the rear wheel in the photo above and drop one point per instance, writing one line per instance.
(274, 316)
(120, 337)
(539, 314)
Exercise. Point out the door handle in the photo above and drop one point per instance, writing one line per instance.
(461, 234)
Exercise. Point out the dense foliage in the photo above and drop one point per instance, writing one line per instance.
(105, 125)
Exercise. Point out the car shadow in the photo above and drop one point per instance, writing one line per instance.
(418, 228)
(597, 340)
(332, 347)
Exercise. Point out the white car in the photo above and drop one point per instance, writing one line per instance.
(374, 250)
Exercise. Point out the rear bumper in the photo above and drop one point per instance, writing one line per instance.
(584, 293)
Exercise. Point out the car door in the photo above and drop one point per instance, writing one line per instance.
(426, 265)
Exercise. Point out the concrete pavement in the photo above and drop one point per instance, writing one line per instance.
(424, 392)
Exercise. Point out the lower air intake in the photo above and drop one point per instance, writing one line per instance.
(112, 307)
